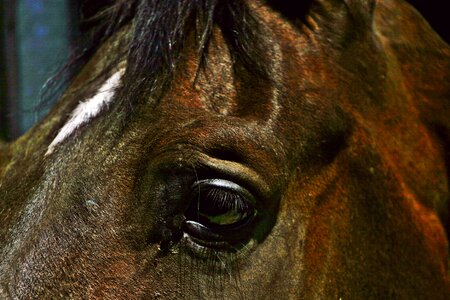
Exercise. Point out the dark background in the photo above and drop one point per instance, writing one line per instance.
(37, 36)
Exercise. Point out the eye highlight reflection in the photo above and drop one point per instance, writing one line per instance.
(220, 211)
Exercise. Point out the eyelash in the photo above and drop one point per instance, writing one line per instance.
(221, 200)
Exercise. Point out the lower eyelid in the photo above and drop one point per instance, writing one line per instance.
(202, 231)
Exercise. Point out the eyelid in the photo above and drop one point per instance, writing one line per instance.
(226, 184)
(251, 179)
(202, 231)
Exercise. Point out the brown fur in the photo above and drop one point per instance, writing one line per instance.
(345, 146)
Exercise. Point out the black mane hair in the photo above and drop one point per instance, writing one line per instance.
(160, 30)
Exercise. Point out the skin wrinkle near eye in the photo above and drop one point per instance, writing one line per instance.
(89, 109)
(237, 169)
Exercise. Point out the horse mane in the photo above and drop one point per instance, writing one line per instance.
(160, 29)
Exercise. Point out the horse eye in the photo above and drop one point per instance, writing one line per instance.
(219, 210)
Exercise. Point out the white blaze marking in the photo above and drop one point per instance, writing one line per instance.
(85, 111)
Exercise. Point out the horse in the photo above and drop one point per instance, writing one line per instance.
(237, 150)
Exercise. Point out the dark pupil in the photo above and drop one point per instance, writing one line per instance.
(218, 207)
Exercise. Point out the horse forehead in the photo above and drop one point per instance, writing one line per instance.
(224, 101)
(211, 87)
(217, 95)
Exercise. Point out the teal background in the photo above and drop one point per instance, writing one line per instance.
(42, 33)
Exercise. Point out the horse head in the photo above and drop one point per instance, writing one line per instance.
(238, 149)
